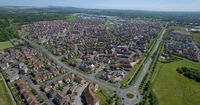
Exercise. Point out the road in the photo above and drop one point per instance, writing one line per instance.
(78, 96)
(10, 94)
(120, 92)
(135, 87)
(87, 76)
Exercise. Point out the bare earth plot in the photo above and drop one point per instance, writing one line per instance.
(172, 88)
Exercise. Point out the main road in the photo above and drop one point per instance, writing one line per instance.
(135, 87)
(120, 92)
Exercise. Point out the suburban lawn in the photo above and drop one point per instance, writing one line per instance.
(4, 96)
(4, 45)
(172, 88)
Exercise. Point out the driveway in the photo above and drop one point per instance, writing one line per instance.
(78, 97)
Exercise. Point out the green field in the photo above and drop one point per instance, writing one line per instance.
(103, 96)
(172, 88)
(195, 36)
(4, 45)
(4, 96)
(71, 18)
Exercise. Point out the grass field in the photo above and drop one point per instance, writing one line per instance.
(4, 96)
(71, 18)
(172, 88)
(195, 36)
(103, 96)
(4, 45)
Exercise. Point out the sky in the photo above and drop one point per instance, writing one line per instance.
(151, 5)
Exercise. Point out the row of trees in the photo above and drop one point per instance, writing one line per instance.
(191, 73)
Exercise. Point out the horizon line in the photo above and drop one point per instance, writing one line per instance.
(95, 8)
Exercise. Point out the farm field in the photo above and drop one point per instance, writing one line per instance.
(4, 45)
(172, 88)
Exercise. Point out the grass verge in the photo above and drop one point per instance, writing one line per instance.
(4, 96)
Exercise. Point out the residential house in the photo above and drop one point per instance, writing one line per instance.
(80, 80)
(4, 66)
(23, 68)
(61, 70)
(38, 78)
(52, 92)
(13, 77)
(47, 87)
(60, 100)
(72, 89)
(89, 95)
(49, 75)
(55, 83)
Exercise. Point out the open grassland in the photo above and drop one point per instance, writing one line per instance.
(172, 88)
(4, 96)
(4, 45)
(195, 36)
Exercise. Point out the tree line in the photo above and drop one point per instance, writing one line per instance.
(7, 33)
(191, 73)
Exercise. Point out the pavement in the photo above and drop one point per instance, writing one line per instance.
(121, 92)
